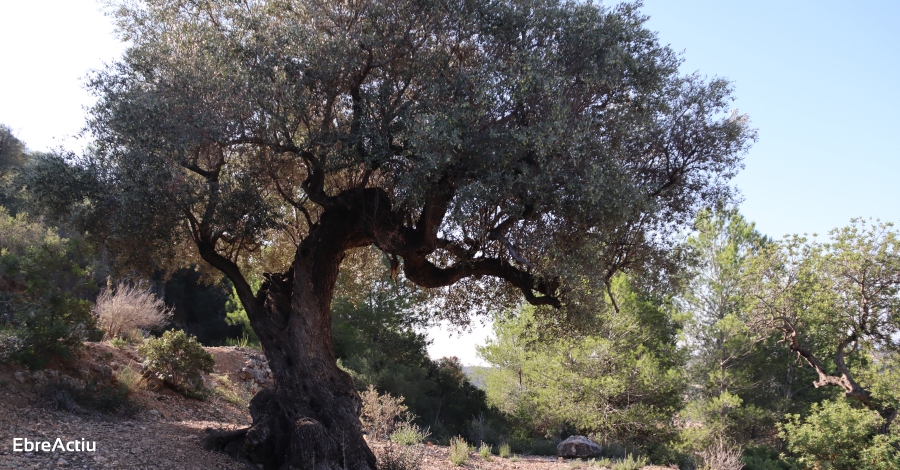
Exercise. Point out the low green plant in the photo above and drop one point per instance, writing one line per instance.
(459, 451)
(762, 458)
(179, 360)
(485, 451)
(408, 434)
(238, 395)
(130, 379)
(45, 282)
(118, 343)
(241, 342)
(601, 462)
(504, 451)
(515, 459)
(630, 462)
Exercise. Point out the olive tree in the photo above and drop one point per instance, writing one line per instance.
(489, 148)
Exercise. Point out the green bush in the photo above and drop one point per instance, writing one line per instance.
(179, 360)
(838, 436)
(504, 451)
(630, 462)
(459, 451)
(407, 434)
(44, 283)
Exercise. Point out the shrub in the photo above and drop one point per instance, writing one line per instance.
(391, 457)
(127, 308)
(179, 360)
(630, 462)
(835, 435)
(721, 455)
(485, 451)
(459, 451)
(44, 283)
(504, 451)
(130, 380)
(408, 434)
(380, 413)
(236, 394)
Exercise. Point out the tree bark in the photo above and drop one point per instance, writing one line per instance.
(310, 418)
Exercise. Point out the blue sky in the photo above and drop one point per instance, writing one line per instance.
(819, 80)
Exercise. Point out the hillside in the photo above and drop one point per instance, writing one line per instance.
(155, 427)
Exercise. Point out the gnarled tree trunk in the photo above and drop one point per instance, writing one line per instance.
(310, 418)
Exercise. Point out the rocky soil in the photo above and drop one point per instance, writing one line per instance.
(160, 429)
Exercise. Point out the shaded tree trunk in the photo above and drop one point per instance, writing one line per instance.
(310, 418)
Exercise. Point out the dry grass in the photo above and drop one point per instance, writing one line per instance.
(380, 413)
(130, 379)
(125, 309)
(722, 455)
(399, 457)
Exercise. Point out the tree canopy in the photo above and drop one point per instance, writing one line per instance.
(524, 141)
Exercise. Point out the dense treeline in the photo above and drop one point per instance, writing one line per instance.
(784, 351)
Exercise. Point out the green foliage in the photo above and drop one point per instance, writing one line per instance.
(236, 315)
(763, 458)
(130, 379)
(376, 341)
(836, 435)
(836, 306)
(408, 434)
(45, 282)
(194, 117)
(741, 379)
(484, 450)
(13, 156)
(617, 378)
(236, 394)
(630, 462)
(459, 451)
(179, 360)
(504, 451)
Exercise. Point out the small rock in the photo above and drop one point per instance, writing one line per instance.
(21, 376)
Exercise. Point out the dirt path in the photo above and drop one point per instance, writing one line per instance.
(165, 432)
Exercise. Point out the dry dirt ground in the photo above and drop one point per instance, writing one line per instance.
(165, 431)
